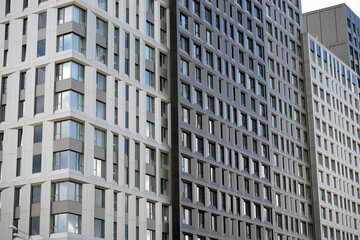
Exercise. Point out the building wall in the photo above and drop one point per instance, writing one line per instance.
(332, 100)
(288, 131)
(127, 114)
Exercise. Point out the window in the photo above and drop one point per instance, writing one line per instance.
(36, 168)
(99, 198)
(184, 66)
(187, 216)
(66, 191)
(99, 168)
(38, 133)
(150, 234)
(68, 70)
(35, 225)
(150, 104)
(187, 190)
(68, 159)
(150, 210)
(71, 13)
(186, 165)
(42, 20)
(41, 45)
(18, 167)
(7, 27)
(35, 194)
(150, 183)
(69, 99)
(100, 110)
(99, 228)
(102, 4)
(4, 84)
(149, 53)
(150, 6)
(69, 129)
(150, 130)
(25, 26)
(149, 29)
(7, 6)
(184, 21)
(101, 82)
(5, 60)
(71, 41)
(66, 222)
(101, 27)
(149, 78)
(99, 138)
(39, 104)
(101, 54)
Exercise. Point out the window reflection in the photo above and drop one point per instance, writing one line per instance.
(66, 191)
(68, 70)
(70, 41)
(71, 13)
(69, 128)
(66, 222)
(69, 99)
(68, 159)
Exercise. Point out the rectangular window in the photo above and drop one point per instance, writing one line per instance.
(40, 75)
(71, 13)
(35, 225)
(102, 4)
(71, 41)
(69, 129)
(67, 159)
(101, 82)
(99, 138)
(35, 194)
(41, 48)
(42, 20)
(38, 133)
(68, 70)
(36, 164)
(39, 104)
(65, 222)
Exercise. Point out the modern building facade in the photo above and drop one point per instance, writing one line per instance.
(338, 28)
(333, 119)
(85, 109)
(239, 175)
(161, 119)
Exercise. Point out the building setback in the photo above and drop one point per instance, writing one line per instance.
(164, 119)
(338, 28)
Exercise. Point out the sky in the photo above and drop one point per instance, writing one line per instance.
(310, 5)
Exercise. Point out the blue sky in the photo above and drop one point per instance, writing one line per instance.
(309, 5)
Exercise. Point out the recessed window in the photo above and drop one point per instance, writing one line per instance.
(41, 48)
(36, 164)
(42, 20)
(71, 13)
(38, 133)
(68, 159)
(65, 222)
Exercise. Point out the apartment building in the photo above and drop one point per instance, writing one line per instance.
(239, 174)
(338, 28)
(333, 115)
(85, 106)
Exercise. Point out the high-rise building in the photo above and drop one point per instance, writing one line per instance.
(333, 115)
(338, 28)
(239, 121)
(85, 119)
(173, 119)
